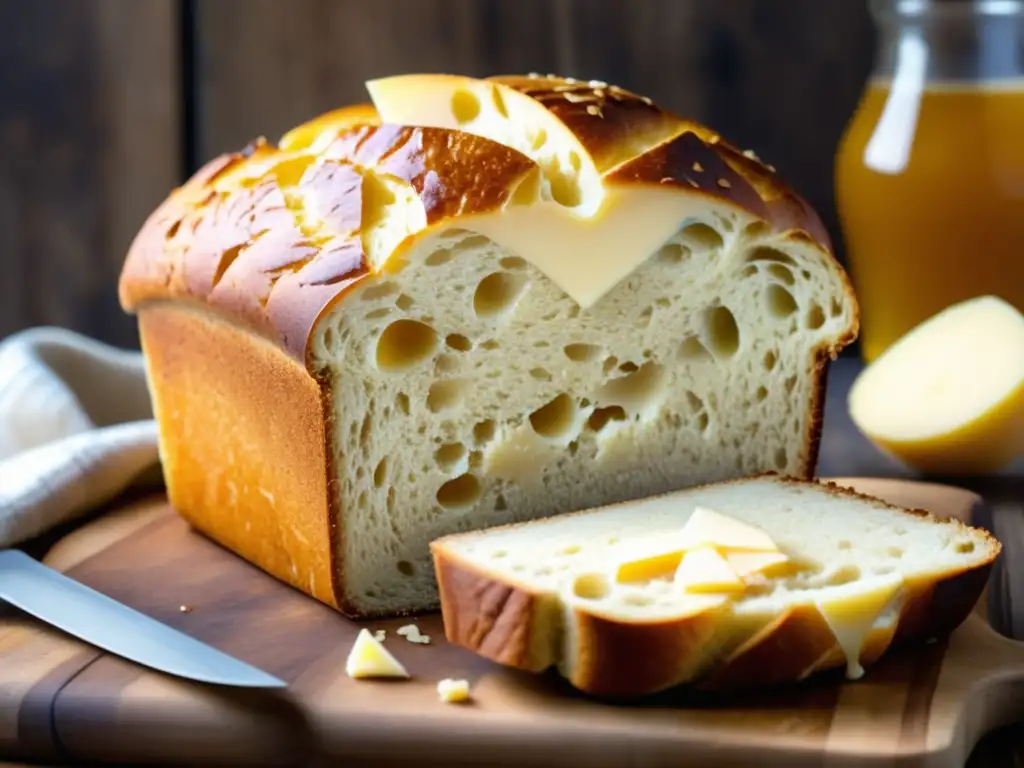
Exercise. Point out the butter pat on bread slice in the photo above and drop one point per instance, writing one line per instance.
(704, 570)
(948, 397)
(562, 606)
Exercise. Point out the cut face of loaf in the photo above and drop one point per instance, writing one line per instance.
(496, 301)
(471, 391)
(862, 575)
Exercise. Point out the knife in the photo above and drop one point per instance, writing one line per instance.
(91, 616)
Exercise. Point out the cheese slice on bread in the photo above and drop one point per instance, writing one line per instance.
(859, 575)
(474, 302)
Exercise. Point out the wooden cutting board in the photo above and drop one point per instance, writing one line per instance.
(63, 701)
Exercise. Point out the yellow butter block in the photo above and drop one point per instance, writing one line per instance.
(704, 570)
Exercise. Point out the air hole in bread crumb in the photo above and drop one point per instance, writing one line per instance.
(572, 549)
(582, 353)
(695, 403)
(405, 568)
(539, 139)
(609, 364)
(458, 342)
(380, 474)
(404, 302)
(703, 422)
(721, 333)
(484, 431)
(782, 273)
(541, 374)
(764, 253)
(749, 271)
(634, 391)
(541, 344)
(402, 401)
(704, 235)
(629, 367)
(590, 586)
(644, 318)
(894, 552)
(476, 460)
(500, 505)
(556, 418)
(465, 106)
(781, 460)
(780, 301)
(844, 544)
(449, 454)
(574, 161)
(805, 274)
(490, 345)
(437, 258)
(762, 394)
(815, 317)
(497, 293)
(443, 395)
(446, 364)
(835, 307)
(462, 491)
(790, 385)
(770, 358)
(499, 553)
(601, 416)
(378, 313)
(379, 291)
(673, 253)
(499, 101)
(965, 547)
(756, 229)
(692, 349)
(513, 262)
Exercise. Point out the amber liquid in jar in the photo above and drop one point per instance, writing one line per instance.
(930, 193)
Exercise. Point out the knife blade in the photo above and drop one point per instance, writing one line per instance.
(92, 616)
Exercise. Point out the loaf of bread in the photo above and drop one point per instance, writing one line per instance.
(823, 578)
(474, 302)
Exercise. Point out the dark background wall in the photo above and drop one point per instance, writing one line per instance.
(107, 104)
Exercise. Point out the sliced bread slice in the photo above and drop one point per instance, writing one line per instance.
(848, 576)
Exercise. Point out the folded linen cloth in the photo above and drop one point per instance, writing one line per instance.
(76, 429)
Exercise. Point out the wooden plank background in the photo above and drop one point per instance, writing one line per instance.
(106, 104)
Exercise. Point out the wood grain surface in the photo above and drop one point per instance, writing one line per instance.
(89, 125)
(70, 703)
(106, 104)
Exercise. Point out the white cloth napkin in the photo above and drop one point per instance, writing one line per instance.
(76, 429)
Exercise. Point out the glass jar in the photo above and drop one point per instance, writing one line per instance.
(930, 170)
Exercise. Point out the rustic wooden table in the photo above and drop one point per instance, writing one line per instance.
(845, 452)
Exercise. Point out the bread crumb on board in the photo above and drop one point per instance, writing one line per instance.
(380, 635)
(453, 691)
(185, 608)
(412, 633)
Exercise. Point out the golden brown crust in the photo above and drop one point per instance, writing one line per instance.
(230, 237)
(242, 443)
(622, 658)
(612, 124)
(499, 620)
(625, 659)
